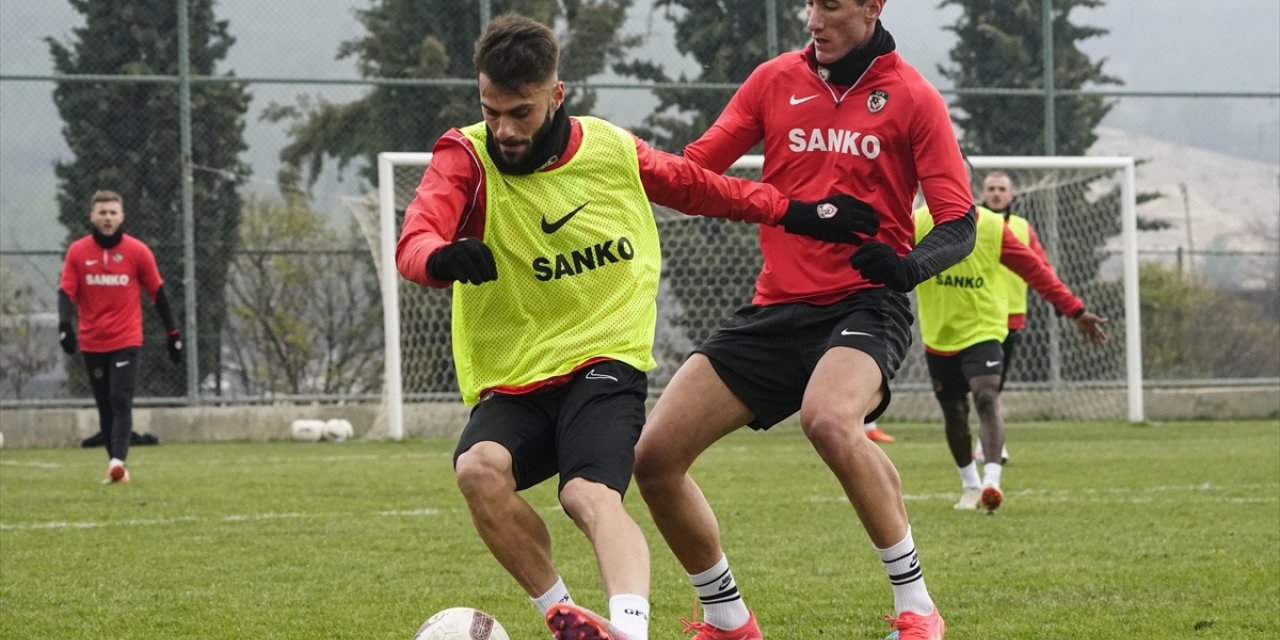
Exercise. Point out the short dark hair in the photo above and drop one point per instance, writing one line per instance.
(103, 195)
(516, 52)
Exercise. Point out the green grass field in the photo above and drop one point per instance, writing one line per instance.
(1109, 531)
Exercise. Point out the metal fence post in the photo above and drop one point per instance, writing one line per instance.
(1051, 149)
(192, 337)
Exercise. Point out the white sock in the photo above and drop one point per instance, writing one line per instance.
(869, 426)
(969, 476)
(555, 595)
(991, 474)
(722, 605)
(907, 578)
(629, 613)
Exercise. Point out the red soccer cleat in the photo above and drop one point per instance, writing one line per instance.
(705, 631)
(876, 435)
(571, 622)
(913, 626)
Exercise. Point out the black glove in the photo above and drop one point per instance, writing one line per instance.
(468, 261)
(834, 219)
(880, 264)
(67, 338)
(175, 346)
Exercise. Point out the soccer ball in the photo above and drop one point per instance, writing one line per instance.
(307, 430)
(338, 430)
(461, 623)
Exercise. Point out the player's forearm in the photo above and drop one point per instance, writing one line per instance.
(675, 182)
(66, 308)
(946, 244)
(1036, 272)
(164, 311)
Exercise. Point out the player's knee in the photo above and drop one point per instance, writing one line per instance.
(828, 430)
(655, 463)
(585, 500)
(121, 401)
(482, 469)
(987, 401)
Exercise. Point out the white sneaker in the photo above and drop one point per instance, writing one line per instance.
(969, 499)
(116, 472)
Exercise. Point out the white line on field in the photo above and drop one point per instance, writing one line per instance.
(1134, 493)
(30, 463)
(242, 517)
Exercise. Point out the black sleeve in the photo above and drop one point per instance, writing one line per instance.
(944, 245)
(66, 308)
(162, 308)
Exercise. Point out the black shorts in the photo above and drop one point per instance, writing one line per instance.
(585, 429)
(1010, 347)
(765, 354)
(951, 374)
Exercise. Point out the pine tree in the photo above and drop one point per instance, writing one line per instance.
(125, 137)
(1000, 46)
(728, 40)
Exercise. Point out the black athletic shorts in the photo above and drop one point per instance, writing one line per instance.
(765, 354)
(1010, 347)
(951, 374)
(587, 428)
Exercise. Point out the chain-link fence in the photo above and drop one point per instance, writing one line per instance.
(235, 143)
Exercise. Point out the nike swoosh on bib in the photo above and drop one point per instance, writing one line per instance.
(795, 101)
(552, 227)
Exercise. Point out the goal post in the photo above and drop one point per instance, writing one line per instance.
(1085, 209)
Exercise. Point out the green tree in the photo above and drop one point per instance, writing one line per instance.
(424, 40)
(728, 40)
(125, 137)
(1000, 45)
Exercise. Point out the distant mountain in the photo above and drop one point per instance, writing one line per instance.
(1233, 203)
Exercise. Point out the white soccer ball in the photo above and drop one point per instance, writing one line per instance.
(307, 430)
(338, 430)
(461, 623)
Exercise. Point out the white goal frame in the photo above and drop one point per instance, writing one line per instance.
(389, 276)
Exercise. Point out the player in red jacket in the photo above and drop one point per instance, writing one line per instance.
(845, 115)
(103, 277)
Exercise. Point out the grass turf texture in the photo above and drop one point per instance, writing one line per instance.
(1108, 531)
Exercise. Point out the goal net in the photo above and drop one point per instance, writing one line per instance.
(1082, 208)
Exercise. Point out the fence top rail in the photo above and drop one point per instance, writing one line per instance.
(715, 86)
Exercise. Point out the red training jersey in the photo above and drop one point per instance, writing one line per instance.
(106, 287)
(877, 141)
(1034, 268)
(450, 199)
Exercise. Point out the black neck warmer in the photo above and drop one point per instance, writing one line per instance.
(546, 148)
(846, 71)
(108, 241)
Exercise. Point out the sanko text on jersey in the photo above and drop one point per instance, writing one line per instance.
(107, 279)
(853, 143)
(585, 259)
(959, 282)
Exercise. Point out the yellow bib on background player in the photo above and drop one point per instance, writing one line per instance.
(1015, 286)
(966, 304)
(578, 266)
